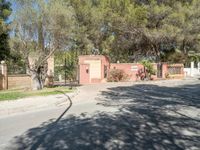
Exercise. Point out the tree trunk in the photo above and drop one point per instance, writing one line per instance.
(38, 75)
(36, 81)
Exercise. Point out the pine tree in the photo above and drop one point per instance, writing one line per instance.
(5, 11)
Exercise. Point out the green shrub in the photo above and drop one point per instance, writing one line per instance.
(117, 75)
(167, 75)
(149, 68)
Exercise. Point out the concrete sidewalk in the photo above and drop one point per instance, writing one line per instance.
(34, 103)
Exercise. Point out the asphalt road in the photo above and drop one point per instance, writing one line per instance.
(146, 115)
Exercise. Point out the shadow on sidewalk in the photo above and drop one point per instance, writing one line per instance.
(149, 117)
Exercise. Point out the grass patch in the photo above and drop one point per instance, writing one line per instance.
(17, 94)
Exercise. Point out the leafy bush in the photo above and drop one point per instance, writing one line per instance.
(167, 75)
(149, 68)
(117, 75)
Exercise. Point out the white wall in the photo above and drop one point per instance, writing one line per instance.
(192, 71)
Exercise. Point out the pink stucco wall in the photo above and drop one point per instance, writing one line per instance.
(164, 71)
(129, 68)
(84, 77)
(175, 76)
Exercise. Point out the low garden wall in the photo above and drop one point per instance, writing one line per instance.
(1, 82)
(19, 81)
(98, 69)
(131, 69)
(175, 71)
(171, 71)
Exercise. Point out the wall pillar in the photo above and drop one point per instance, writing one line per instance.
(199, 67)
(164, 70)
(5, 75)
(192, 69)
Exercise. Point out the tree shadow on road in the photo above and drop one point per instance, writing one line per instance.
(149, 117)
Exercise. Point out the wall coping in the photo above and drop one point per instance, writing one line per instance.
(175, 65)
(19, 75)
(83, 64)
(92, 56)
(125, 63)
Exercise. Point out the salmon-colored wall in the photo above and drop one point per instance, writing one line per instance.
(128, 69)
(175, 76)
(164, 71)
(84, 77)
(19, 81)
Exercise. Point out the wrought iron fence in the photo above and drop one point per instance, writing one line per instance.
(173, 69)
(15, 69)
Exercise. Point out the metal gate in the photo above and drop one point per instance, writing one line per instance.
(159, 70)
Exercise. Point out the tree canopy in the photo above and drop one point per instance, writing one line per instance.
(40, 28)
(5, 11)
(129, 30)
(124, 30)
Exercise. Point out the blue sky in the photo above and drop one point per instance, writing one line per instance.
(13, 10)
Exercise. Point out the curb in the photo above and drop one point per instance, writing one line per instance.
(39, 106)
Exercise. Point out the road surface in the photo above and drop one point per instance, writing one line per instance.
(145, 115)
